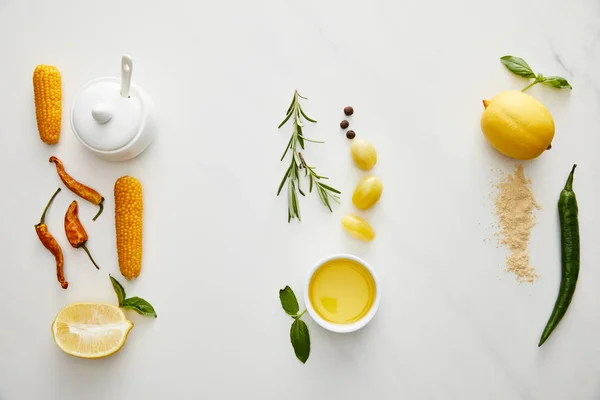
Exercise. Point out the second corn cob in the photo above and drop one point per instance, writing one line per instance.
(47, 93)
(129, 206)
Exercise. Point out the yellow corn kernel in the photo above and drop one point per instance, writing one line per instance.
(47, 93)
(129, 206)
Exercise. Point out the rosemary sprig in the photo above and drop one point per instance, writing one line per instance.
(325, 192)
(297, 162)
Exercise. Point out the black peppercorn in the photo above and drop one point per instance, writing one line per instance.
(348, 110)
(350, 134)
(344, 124)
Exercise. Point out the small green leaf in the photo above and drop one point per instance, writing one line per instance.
(299, 183)
(518, 66)
(288, 301)
(330, 188)
(300, 137)
(119, 290)
(291, 104)
(297, 160)
(326, 200)
(284, 121)
(289, 146)
(556, 82)
(140, 305)
(295, 207)
(287, 173)
(311, 140)
(300, 340)
(306, 116)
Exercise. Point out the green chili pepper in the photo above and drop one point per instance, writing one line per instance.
(569, 238)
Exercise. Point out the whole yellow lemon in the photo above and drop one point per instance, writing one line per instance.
(517, 125)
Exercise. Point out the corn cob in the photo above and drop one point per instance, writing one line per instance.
(129, 205)
(47, 93)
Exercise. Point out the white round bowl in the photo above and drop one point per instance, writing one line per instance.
(343, 328)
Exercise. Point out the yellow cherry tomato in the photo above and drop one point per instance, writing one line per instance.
(367, 192)
(358, 227)
(363, 154)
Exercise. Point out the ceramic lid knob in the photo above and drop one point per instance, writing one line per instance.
(102, 113)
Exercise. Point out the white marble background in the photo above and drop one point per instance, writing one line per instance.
(452, 324)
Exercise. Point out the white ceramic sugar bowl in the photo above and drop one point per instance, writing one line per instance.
(112, 117)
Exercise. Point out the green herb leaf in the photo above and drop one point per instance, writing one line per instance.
(324, 198)
(285, 177)
(284, 121)
(295, 207)
(140, 305)
(291, 104)
(289, 301)
(518, 66)
(289, 146)
(300, 340)
(306, 116)
(556, 82)
(311, 140)
(330, 188)
(300, 137)
(119, 290)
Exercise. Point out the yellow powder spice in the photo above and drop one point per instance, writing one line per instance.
(515, 205)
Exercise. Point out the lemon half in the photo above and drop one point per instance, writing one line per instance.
(517, 125)
(90, 330)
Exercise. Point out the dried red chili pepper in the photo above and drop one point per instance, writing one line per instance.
(79, 189)
(51, 244)
(75, 232)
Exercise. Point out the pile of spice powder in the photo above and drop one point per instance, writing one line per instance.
(515, 205)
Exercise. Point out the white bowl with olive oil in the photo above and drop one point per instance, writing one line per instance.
(342, 293)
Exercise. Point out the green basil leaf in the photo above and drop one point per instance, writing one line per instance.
(300, 340)
(517, 66)
(140, 305)
(119, 290)
(557, 82)
(288, 301)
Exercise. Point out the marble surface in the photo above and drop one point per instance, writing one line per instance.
(217, 246)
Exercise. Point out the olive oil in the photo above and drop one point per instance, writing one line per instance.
(342, 291)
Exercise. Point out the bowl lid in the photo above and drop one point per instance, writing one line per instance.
(104, 119)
